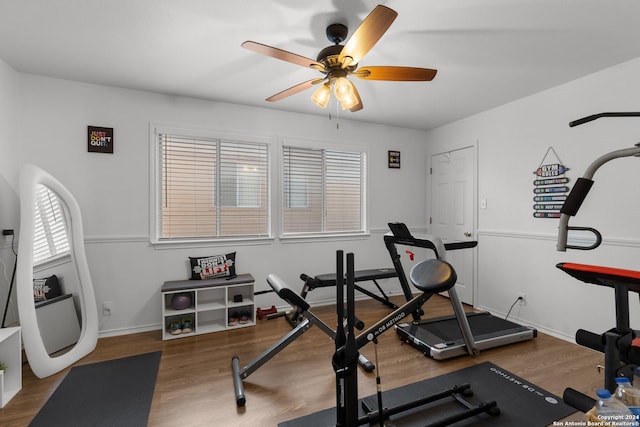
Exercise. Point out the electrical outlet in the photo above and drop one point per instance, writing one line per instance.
(107, 308)
(522, 299)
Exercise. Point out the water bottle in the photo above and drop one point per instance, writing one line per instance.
(611, 411)
(624, 390)
(629, 395)
(636, 377)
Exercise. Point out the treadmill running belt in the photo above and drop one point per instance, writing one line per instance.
(481, 325)
(441, 338)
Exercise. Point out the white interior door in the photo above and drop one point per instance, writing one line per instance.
(452, 211)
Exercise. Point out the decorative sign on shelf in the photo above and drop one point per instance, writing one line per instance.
(394, 159)
(550, 189)
(99, 139)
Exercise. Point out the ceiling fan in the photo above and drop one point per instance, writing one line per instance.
(337, 62)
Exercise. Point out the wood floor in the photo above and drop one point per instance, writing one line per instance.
(195, 388)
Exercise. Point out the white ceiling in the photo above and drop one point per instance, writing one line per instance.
(487, 52)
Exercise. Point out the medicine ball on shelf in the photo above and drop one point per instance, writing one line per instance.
(181, 300)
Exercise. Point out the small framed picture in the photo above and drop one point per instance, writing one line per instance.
(394, 159)
(99, 139)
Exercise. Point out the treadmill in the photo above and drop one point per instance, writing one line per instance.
(449, 336)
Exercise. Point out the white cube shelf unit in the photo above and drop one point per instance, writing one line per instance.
(213, 302)
(11, 358)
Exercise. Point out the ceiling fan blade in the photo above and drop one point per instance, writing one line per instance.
(359, 105)
(283, 55)
(399, 74)
(367, 35)
(294, 89)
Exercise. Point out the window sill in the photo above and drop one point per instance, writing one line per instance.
(51, 262)
(208, 243)
(305, 238)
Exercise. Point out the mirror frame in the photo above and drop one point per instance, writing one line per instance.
(41, 363)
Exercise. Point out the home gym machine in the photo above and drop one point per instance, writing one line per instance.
(304, 320)
(295, 316)
(449, 336)
(621, 356)
(428, 276)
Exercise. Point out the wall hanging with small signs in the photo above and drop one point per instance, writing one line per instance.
(550, 187)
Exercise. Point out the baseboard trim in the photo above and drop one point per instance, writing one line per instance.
(127, 331)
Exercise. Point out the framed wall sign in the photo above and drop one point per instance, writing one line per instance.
(394, 159)
(99, 139)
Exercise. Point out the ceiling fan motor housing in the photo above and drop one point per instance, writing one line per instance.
(329, 56)
(337, 33)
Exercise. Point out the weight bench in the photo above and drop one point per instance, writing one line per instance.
(329, 279)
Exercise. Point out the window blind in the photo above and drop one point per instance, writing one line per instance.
(323, 191)
(50, 234)
(212, 188)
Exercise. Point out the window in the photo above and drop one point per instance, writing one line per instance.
(210, 188)
(323, 191)
(50, 233)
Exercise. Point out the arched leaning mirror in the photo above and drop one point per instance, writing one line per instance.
(51, 244)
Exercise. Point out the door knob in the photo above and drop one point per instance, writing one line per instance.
(467, 234)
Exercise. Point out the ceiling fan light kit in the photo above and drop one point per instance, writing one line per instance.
(337, 62)
(344, 91)
(322, 95)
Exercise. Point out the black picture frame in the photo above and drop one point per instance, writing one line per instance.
(99, 139)
(394, 159)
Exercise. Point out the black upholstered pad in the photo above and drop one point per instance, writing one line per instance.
(284, 292)
(433, 275)
(603, 276)
(329, 279)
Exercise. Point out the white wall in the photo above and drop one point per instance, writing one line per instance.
(43, 121)
(516, 253)
(113, 190)
(9, 205)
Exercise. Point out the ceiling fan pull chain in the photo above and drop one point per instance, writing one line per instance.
(331, 103)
